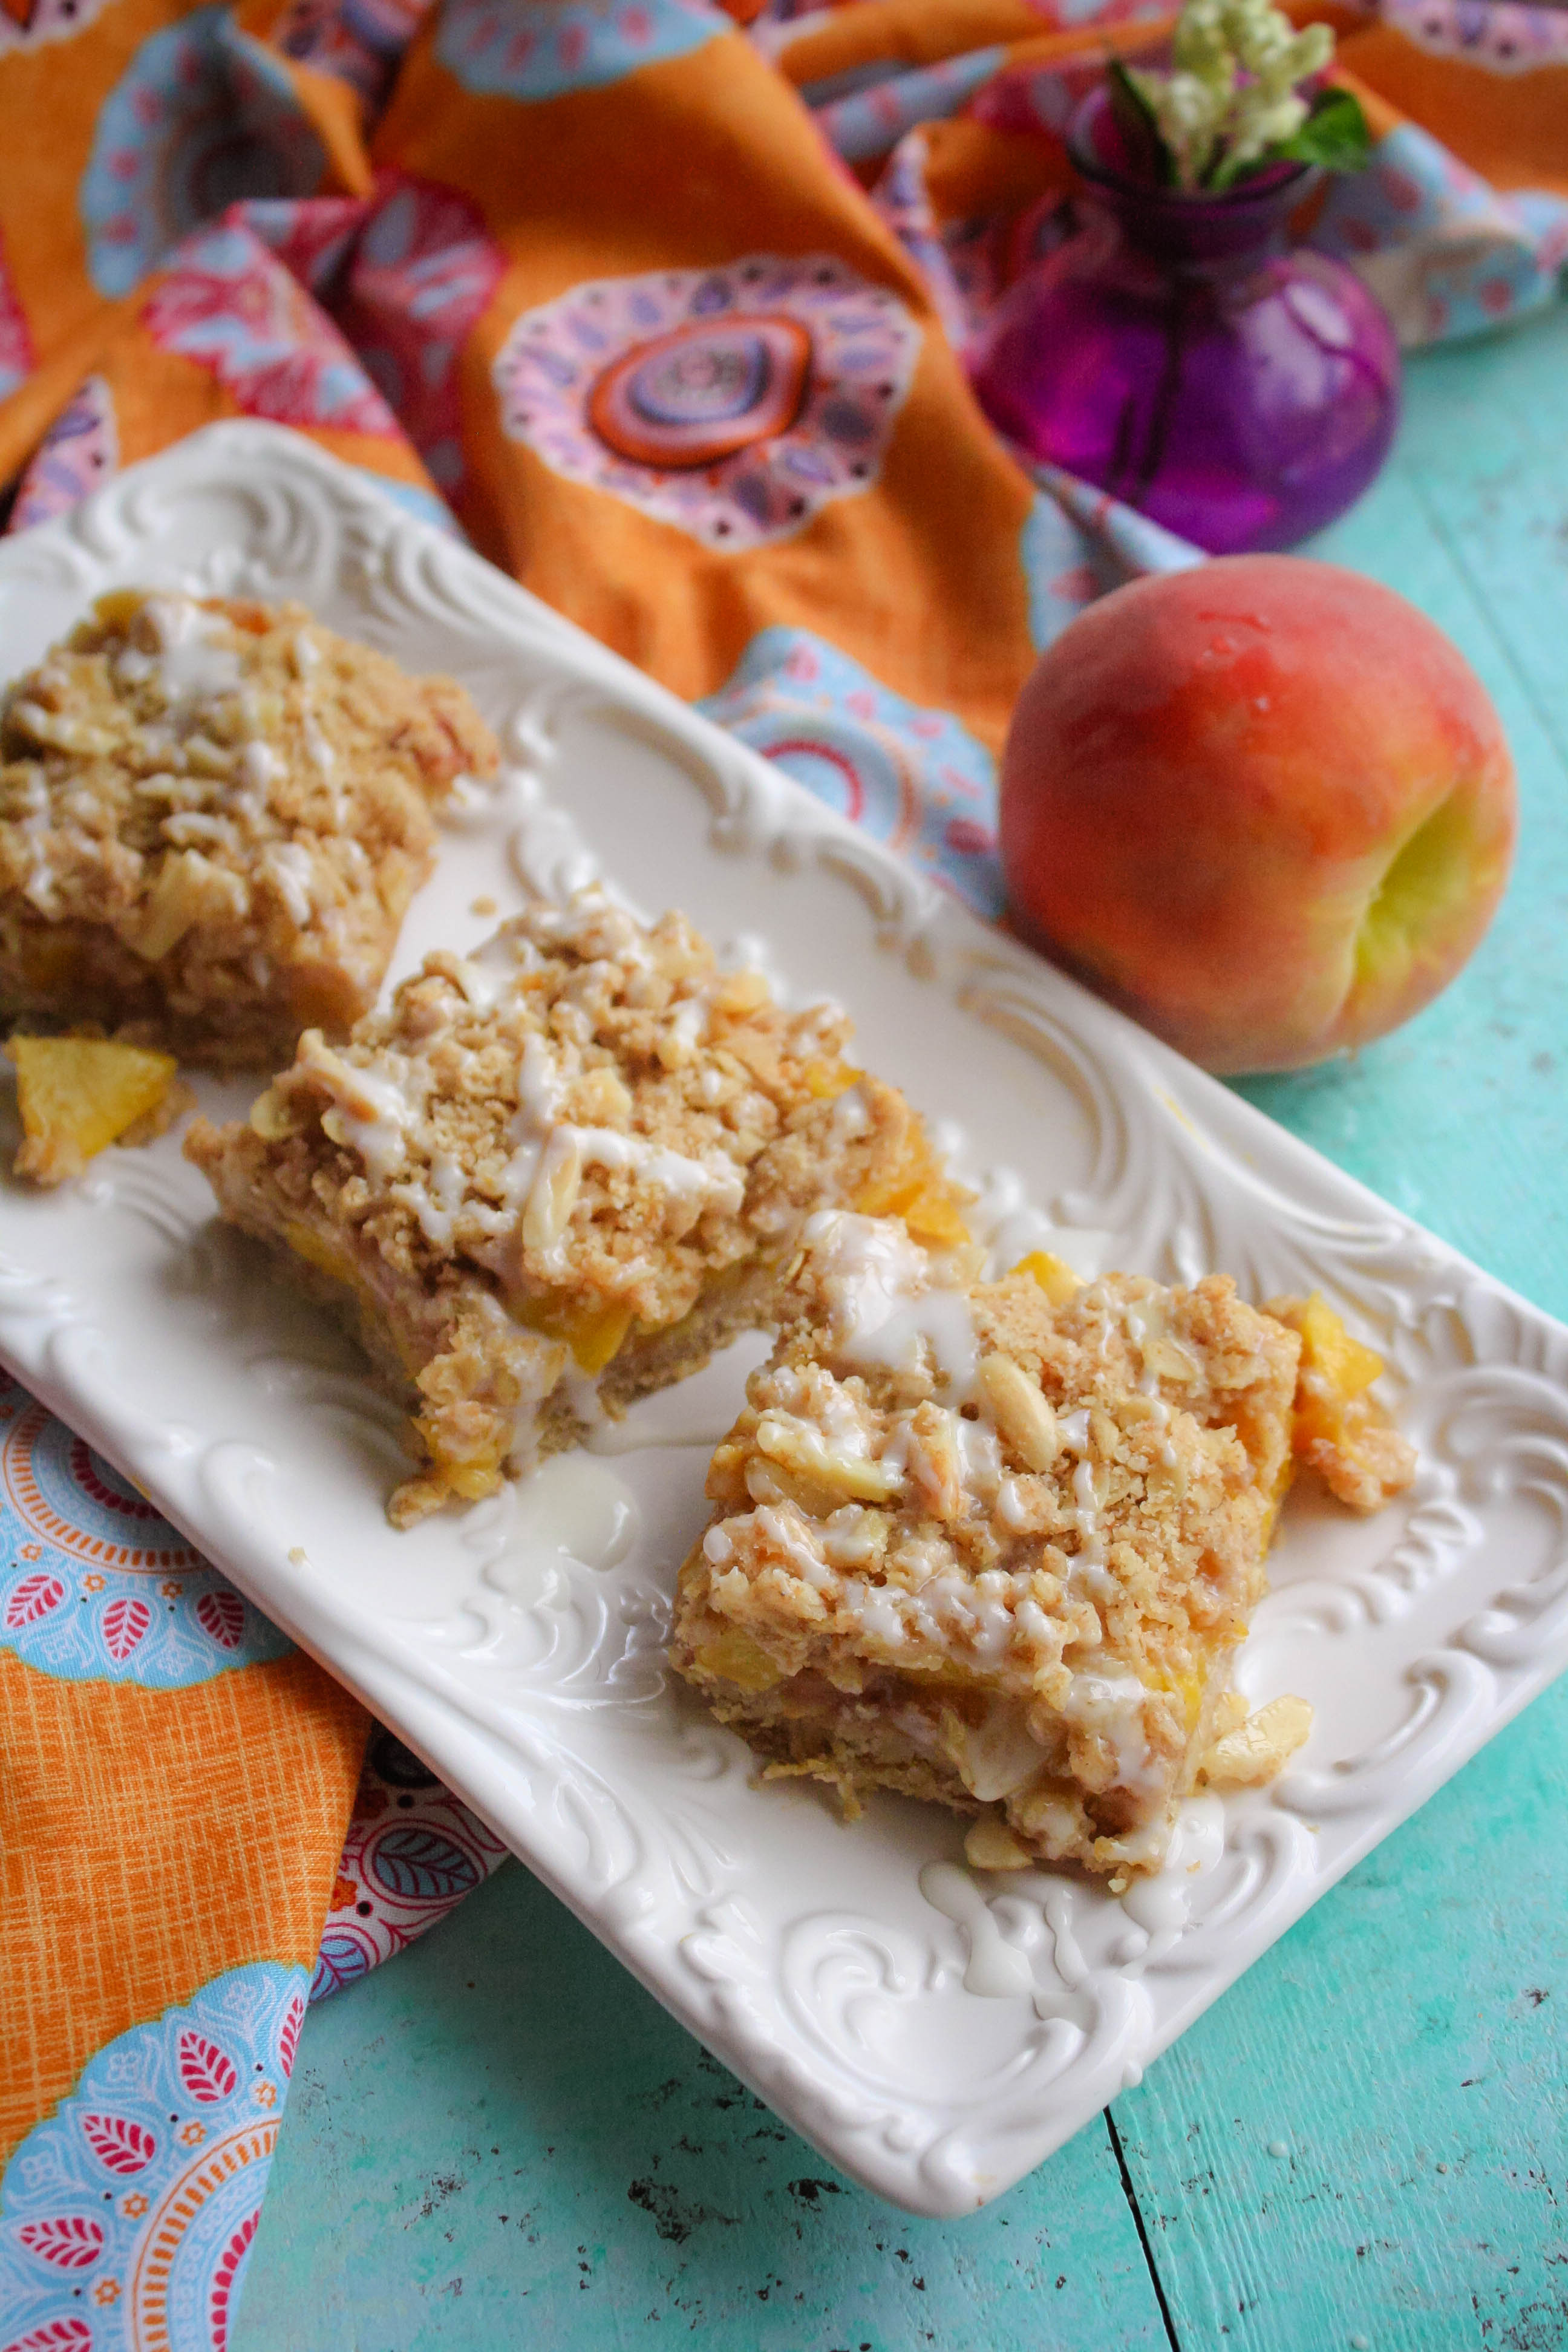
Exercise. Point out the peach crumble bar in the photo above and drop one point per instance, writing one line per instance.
(995, 1543)
(558, 1174)
(213, 816)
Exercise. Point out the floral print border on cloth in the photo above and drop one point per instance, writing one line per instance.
(127, 2215)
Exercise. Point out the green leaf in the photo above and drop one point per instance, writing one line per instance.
(1148, 157)
(1334, 136)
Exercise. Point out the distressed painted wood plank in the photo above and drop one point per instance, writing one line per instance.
(1368, 2137)
(501, 2138)
(1488, 446)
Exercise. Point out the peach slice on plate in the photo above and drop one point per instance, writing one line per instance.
(77, 1094)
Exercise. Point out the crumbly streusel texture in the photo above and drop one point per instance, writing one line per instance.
(989, 1550)
(213, 816)
(557, 1175)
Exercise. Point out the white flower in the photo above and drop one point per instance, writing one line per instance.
(1258, 123)
(1231, 93)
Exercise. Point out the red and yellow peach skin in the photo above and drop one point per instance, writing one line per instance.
(1265, 805)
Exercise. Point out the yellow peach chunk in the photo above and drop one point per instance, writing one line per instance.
(918, 1192)
(1326, 1347)
(825, 1081)
(77, 1094)
(1188, 1688)
(119, 607)
(593, 1333)
(317, 1251)
(1339, 1428)
(1053, 1274)
(594, 1339)
(735, 1658)
(934, 1216)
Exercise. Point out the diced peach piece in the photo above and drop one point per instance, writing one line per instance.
(825, 1081)
(737, 1659)
(921, 1195)
(932, 1216)
(1347, 1366)
(1339, 1429)
(1053, 1274)
(76, 1094)
(593, 1333)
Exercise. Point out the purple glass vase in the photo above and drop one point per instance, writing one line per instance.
(1175, 354)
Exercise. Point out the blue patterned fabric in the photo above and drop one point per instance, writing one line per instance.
(127, 2215)
(542, 48)
(94, 1585)
(915, 779)
(201, 117)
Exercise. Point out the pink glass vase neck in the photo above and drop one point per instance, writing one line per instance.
(1178, 226)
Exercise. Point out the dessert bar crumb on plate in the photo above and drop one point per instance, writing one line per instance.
(934, 2029)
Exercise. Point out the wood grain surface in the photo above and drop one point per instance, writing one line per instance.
(500, 2140)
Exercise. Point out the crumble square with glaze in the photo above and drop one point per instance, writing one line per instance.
(558, 1174)
(213, 816)
(996, 1544)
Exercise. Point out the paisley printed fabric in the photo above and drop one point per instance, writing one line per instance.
(534, 50)
(1446, 253)
(412, 1851)
(81, 450)
(732, 402)
(16, 342)
(202, 115)
(423, 271)
(1502, 36)
(358, 41)
(95, 1586)
(30, 24)
(228, 304)
(915, 779)
(127, 2212)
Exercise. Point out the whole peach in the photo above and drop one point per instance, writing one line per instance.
(1264, 806)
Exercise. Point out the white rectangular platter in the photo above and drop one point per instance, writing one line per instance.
(933, 2032)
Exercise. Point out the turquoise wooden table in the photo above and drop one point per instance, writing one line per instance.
(500, 2139)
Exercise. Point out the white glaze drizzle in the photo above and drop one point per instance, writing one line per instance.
(882, 1313)
(374, 1110)
(195, 664)
(288, 863)
(996, 1969)
(545, 1146)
